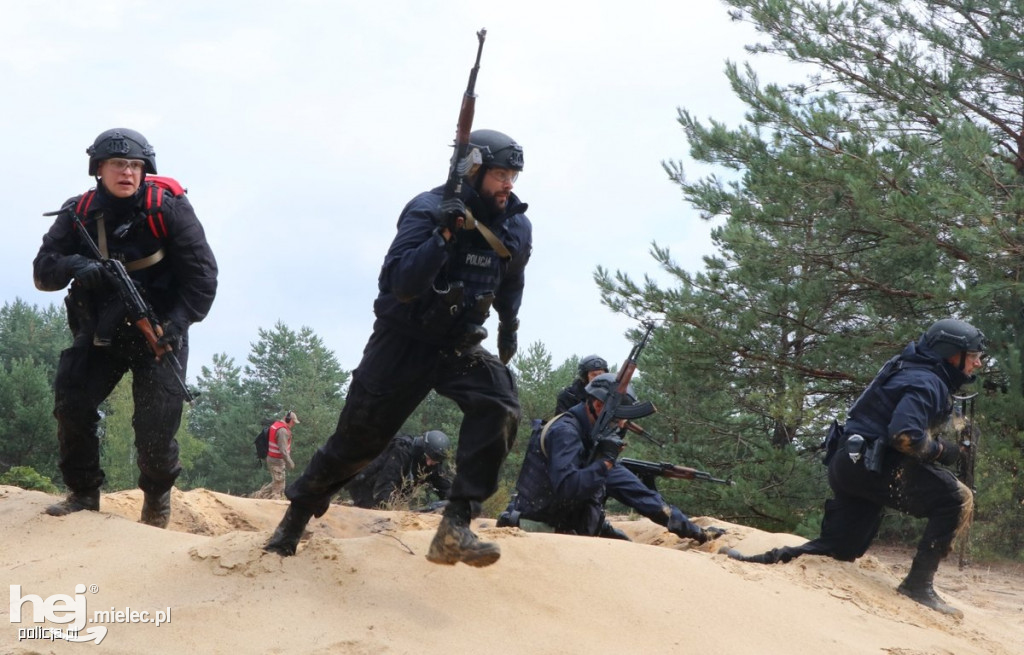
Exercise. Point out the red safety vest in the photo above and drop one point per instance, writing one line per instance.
(275, 450)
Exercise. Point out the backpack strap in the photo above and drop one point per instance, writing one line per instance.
(154, 211)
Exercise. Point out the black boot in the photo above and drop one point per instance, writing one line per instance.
(918, 586)
(455, 542)
(156, 509)
(286, 537)
(76, 502)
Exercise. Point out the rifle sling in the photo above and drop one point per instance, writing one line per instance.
(544, 433)
(495, 243)
(138, 264)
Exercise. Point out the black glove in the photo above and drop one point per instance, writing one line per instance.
(173, 331)
(508, 342)
(608, 448)
(90, 273)
(683, 527)
(950, 453)
(450, 214)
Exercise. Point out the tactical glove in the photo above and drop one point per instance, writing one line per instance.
(173, 331)
(451, 214)
(950, 453)
(90, 273)
(608, 448)
(683, 527)
(508, 341)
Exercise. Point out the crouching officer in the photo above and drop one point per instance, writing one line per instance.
(171, 264)
(889, 454)
(566, 477)
(440, 279)
(407, 462)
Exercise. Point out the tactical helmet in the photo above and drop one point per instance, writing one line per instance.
(950, 337)
(592, 363)
(603, 384)
(434, 444)
(124, 143)
(497, 149)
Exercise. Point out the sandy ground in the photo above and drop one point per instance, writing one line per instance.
(360, 584)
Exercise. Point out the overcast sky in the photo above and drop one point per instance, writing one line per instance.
(301, 128)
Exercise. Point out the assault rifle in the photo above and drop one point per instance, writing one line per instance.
(649, 471)
(139, 313)
(465, 159)
(969, 434)
(613, 406)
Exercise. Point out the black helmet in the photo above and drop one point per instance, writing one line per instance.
(592, 363)
(121, 142)
(497, 149)
(950, 336)
(600, 386)
(434, 444)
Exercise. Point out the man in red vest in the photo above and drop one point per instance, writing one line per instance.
(279, 454)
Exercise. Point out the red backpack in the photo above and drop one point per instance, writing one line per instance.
(155, 187)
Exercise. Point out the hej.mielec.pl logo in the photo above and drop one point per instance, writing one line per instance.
(62, 609)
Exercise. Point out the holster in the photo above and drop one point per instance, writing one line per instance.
(874, 454)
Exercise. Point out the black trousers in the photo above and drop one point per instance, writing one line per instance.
(394, 376)
(86, 374)
(854, 514)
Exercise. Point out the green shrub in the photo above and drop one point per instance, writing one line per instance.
(27, 477)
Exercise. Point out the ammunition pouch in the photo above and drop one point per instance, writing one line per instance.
(477, 314)
(112, 316)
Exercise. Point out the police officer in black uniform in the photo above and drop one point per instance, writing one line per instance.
(172, 265)
(567, 477)
(406, 462)
(889, 454)
(439, 282)
(589, 367)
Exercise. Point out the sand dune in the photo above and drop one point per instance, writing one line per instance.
(360, 584)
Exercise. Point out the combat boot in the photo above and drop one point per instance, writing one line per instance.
(455, 542)
(156, 510)
(76, 502)
(918, 586)
(286, 537)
